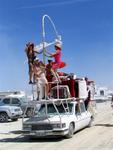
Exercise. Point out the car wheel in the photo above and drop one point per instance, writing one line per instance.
(29, 112)
(14, 119)
(3, 117)
(70, 131)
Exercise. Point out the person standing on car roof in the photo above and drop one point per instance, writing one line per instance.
(31, 55)
(40, 78)
(57, 64)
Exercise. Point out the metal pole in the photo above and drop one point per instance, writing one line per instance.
(43, 34)
(43, 39)
(33, 92)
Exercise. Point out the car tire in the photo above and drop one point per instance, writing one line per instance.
(3, 117)
(14, 119)
(70, 131)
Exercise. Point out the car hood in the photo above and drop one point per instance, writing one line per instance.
(7, 106)
(46, 119)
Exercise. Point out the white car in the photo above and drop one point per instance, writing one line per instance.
(58, 118)
(9, 112)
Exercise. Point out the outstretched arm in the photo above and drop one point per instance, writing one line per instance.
(48, 54)
(52, 54)
(38, 52)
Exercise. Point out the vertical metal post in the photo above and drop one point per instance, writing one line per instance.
(43, 38)
(43, 33)
(58, 88)
(33, 91)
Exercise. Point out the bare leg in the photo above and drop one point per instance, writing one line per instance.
(58, 76)
(55, 74)
(38, 94)
(30, 77)
(49, 84)
(47, 89)
(38, 91)
(30, 73)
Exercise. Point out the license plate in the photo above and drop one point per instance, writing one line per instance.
(40, 133)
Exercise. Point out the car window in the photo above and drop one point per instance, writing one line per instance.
(82, 107)
(15, 101)
(6, 100)
(51, 109)
(23, 100)
(77, 109)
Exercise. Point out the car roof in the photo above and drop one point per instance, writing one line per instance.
(55, 101)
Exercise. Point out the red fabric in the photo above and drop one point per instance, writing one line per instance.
(57, 56)
(71, 87)
(70, 84)
(62, 74)
(62, 64)
(49, 78)
(58, 65)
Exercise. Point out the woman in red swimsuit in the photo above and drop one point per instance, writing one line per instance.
(57, 64)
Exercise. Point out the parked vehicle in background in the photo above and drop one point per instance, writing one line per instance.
(7, 93)
(102, 94)
(10, 112)
(17, 100)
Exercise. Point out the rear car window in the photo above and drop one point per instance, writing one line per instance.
(6, 100)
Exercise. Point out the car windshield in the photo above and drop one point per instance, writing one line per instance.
(24, 100)
(51, 110)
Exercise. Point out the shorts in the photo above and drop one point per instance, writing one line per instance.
(42, 79)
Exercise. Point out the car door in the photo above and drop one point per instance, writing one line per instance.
(78, 118)
(84, 115)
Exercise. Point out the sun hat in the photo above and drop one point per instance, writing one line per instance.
(58, 44)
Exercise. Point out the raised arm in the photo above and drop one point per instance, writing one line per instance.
(52, 54)
(48, 54)
(38, 52)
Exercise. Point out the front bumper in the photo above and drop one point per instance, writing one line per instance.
(16, 115)
(45, 133)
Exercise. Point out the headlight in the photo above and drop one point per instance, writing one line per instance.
(11, 110)
(17, 109)
(14, 109)
(63, 125)
(58, 125)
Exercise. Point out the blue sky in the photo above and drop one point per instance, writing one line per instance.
(86, 27)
